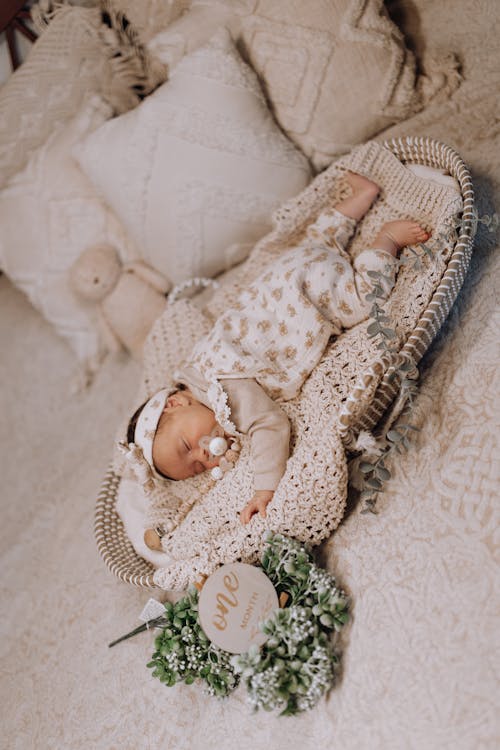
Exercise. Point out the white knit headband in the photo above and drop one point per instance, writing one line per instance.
(139, 454)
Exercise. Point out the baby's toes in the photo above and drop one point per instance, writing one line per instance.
(422, 235)
(416, 232)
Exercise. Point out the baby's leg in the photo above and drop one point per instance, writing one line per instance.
(364, 192)
(394, 235)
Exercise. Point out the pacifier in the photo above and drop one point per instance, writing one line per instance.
(217, 445)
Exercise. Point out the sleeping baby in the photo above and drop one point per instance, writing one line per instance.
(262, 350)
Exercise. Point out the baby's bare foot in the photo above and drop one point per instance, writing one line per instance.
(394, 235)
(360, 184)
(364, 192)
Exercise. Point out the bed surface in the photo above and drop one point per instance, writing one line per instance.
(420, 661)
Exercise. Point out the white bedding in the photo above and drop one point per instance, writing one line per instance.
(420, 662)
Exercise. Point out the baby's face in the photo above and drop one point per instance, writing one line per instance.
(176, 450)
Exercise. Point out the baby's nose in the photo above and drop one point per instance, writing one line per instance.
(200, 454)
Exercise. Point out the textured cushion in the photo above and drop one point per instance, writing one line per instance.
(76, 55)
(198, 167)
(149, 16)
(46, 91)
(335, 72)
(49, 213)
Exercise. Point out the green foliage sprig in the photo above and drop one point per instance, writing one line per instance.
(297, 663)
(183, 652)
(291, 569)
(295, 667)
(491, 222)
(374, 471)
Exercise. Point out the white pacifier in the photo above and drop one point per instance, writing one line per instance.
(218, 446)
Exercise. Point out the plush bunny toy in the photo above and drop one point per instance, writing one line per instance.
(129, 297)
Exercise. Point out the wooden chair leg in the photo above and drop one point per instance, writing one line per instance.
(18, 25)
(12, 45)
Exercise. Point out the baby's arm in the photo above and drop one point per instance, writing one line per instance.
(257, 415)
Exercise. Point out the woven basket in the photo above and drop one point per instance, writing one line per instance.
(112, 542)
(430, 153)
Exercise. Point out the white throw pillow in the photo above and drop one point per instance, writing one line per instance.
(197, 169)
(49, 213)
(335, 72)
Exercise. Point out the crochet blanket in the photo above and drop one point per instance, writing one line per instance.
(310, 500)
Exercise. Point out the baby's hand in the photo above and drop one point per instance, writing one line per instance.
(257, 504)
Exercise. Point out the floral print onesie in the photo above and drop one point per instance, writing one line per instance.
(279, 328)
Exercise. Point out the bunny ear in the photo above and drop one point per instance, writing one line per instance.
(123, 448)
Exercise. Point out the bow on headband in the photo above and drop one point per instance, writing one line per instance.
(140, 467)
(139, 454)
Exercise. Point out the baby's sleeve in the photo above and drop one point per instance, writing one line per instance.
(254, 413)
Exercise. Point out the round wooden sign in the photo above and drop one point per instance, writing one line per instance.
(232, 603)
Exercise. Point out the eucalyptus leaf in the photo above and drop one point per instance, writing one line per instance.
(373, 329)
(383, 473)
(394, 436)
(407, 426)
(389, 333)
(326, 620)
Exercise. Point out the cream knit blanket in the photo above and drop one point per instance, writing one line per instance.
(310, 500)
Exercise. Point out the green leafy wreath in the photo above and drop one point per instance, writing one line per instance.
(297, 663)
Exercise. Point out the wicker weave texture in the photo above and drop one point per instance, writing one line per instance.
(112, 542)
(430, 153)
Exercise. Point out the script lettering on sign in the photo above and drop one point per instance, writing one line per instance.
(233, 602)
(231, 585)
